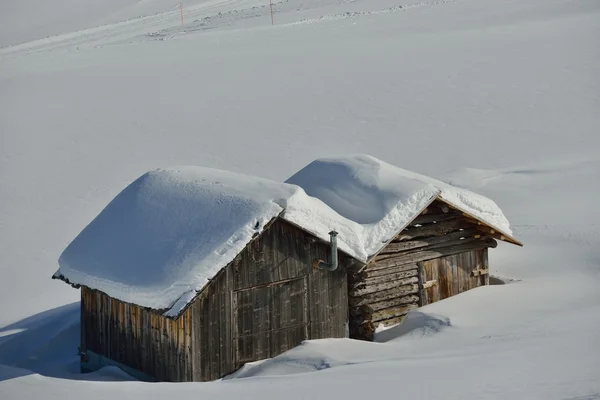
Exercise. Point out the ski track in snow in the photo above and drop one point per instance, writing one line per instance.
(205, 18)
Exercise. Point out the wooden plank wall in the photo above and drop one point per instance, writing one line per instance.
(453, 274)
(280, 255)
(429, 260)
(136, 337)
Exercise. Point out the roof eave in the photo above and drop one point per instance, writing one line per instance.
(496, 232)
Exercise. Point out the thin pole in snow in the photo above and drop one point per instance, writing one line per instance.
(272, 20)
(181, 10)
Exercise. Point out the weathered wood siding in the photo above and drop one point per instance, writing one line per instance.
(436, 257)
(136, 337)
(453, 274)
(268, 300)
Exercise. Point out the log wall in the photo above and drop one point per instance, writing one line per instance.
(441, 254)
(136, 337)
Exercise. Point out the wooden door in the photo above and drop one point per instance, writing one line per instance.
(269, 319)
(452, 275)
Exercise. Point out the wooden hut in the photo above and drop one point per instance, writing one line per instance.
(441, 253)
(266, 301)
(190, 273)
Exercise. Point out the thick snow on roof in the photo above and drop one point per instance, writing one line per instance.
(169, 231)
(165, 235)
(384, 198)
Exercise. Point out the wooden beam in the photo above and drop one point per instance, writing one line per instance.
(396, 247)
(441, 228)
(392, 312)
(430, 218)
(394, 302)
(479, 272)
(361, 290)
(383, 295)
(428, 254)
(429, 284)
(383, 278)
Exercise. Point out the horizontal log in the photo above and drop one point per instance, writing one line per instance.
(429, 254)
(396, 247)
(357, 301)
(441, 228)
(359, 291)
(430, 218)
(492, 233)
(385, 273)
(429, 284)
(392, 312)
(386, 278)
(394, 302)
(391, 321)
(479, 272)
(376, 269)
(449, 243)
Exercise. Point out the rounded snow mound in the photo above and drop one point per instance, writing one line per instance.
(416, 324)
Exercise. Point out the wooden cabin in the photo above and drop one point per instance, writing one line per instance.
(288, 283)
(266, 301)
(441, 253)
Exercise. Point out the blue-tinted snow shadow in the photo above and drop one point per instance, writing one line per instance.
(46, 344)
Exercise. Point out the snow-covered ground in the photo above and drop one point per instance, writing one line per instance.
(498, 96)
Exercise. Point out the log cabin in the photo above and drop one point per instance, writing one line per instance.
(189, 273)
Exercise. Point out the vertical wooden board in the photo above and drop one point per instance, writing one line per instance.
(167, 349)
(155, 345)
(423, 293)
(135, 350)
(442, 271)
(243, 270)
(486, 266)
(461, 264)
(325, 308)
(116, 329)
(252, 251)
(228, 334)
(476, 280)
(269, 257)
(125, 344)
(83, 320)
(101, 314)
(212, 339)
(146, 344)
(455, 278)
(430, 270)
(189, 338)
(449, 276)
(222, 329)
(465, 267)
(435, 275)
(180, 346)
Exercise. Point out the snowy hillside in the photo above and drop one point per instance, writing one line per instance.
(497, 96)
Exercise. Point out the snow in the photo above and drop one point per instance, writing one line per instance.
(497, 97)
(375, 193)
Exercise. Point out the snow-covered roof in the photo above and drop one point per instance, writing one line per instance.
(384, 199)
(161, 239)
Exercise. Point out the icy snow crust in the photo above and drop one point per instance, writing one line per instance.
(165, 235)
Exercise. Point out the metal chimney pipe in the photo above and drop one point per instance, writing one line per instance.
(320, 264)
